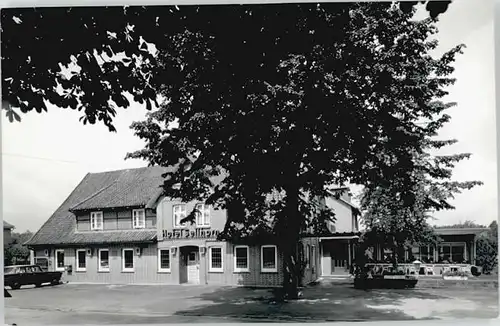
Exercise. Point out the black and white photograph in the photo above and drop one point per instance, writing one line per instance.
(235, 162)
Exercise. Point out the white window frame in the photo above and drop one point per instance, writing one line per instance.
(99, 267)
(96, 216)
(164, 270)
(136, 218)
(204, 208)
(183, 209)
(269, 270)
(78, 268)
(216, 269)
(242, 270)
(450, 245)
(123, 260)
(64, 257)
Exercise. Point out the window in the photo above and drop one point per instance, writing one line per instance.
(458, 253)
(81, 260)
(216, 259)
(241, 258)
(128, 260)
(164, 260)
(138, 218)
(415, 253)
(269, 259)
(179, 214)
(447, 253)
(426, 254)
(103, 260)
(452, 252)
(43, 262)
(60, 259)
(202, 215)
(96, 222)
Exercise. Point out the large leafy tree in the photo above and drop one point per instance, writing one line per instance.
(338, 100)
(399, 225)
(31, 79)
(285, 99)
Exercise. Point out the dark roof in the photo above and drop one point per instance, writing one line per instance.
(103, 237)
(123, 188)
(459, 231)
(334, 234)
(7, 225)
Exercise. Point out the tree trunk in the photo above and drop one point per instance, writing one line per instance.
(290, 238)
(395, 248)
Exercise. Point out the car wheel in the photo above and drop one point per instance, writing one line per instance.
(15, 286)
(55, 282)
(38, 285)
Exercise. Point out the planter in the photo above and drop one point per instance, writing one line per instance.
(386, 282)
(455, 278)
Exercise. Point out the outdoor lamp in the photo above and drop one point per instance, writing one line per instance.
(417, 264)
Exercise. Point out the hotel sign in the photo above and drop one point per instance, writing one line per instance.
(190, 234)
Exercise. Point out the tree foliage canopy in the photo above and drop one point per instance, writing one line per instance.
(462, 225)
(16, 252)
(90, 37)
(397, 223)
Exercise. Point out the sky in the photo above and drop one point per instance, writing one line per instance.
(46, 155)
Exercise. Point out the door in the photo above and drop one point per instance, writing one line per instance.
(340, 258)
(326, 260)
(193, 268)
(26, 276)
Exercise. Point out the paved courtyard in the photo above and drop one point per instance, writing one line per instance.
(133, 304)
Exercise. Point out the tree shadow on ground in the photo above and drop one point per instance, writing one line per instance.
(318, 303)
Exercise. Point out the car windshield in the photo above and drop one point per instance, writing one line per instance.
(36, 269)
(9, 270)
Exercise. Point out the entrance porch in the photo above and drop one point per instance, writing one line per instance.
(337, 255)
(189, 264)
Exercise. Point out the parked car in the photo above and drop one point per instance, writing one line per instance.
(19, 275)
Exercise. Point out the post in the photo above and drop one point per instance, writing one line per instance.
(354, 245)
(320, 245)
(473, 253)
(350, 255)
(159, 220)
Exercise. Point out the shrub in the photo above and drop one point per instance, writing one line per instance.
(475, 271)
